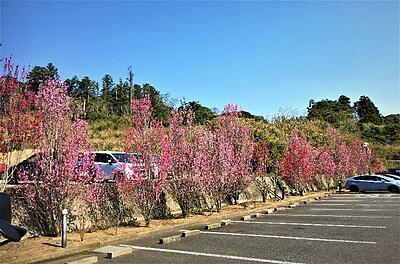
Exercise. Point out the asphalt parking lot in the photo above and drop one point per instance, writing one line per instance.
(344, 228)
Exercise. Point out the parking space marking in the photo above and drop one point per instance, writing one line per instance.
(364, 198)
(351, 209)
(291, 237)
(372, 200)
(345, 200)
(337, 216)
(355, 204)
(309, 224)
(202, 254)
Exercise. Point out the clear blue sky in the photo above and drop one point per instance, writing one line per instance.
(261, 55)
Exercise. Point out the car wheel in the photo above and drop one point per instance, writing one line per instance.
(354, 188)
(393, 189)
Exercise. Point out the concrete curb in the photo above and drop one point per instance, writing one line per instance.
(132, 236)
(170, 239)
(269, 211)
(255, 215)
(113, 251)
(88, 260)
(245, 217)
(189, 233)
(212, 226)
(226, 222)
(293, 205)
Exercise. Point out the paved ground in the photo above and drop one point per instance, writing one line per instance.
(345, 228)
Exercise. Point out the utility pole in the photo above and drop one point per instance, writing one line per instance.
(130, 88)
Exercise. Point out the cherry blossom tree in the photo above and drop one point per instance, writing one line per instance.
(260, 163)
(63, 165)
(232, 157)
(17, 120)
(148, 144)
(191, 151)
(377, 164)
(326, 165)
(360, 157)
(298, 164)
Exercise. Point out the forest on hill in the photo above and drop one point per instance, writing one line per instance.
(106, 106)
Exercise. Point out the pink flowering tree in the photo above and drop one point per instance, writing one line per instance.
(325, 163)
(359, 156)
(341, 155)
(377, 164)
(232, 157)
(343, 161)
(62, 166)
(17, 120)
(260, 164)
(298, 164)
(145, 178)
(190, 153)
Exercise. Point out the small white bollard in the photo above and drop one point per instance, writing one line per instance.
(64, 228)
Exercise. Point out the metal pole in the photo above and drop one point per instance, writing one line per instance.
(365, 145)
(64, 228)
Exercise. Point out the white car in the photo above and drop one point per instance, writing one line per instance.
(112, 162)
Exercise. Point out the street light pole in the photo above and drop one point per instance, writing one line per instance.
(366, 145)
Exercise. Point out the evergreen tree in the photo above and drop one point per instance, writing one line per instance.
(106, 90)
(39, 75)
(120, 98)
(366, 111)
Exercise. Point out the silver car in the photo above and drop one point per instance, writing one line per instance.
(372, 183)
(110, 162)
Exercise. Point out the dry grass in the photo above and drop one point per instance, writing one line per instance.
(17, 156)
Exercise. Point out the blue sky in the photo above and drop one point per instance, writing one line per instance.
(264, 56)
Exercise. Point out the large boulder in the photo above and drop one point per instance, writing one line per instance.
(250, 194)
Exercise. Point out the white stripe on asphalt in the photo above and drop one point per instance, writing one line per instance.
(329, 204)
(194, 253)
(345, 200)
(350, 209)
(358, 200)
(290, 237)
(338, 216)
(368, 197)
(308, 224)
(355, 204)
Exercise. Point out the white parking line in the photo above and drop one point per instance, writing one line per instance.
(350, 209)
(290, 237)
(368, 197)
(194, 253)
(355, 204)
(337, 216)
(346, 200)
(371, 200)
(308, 224)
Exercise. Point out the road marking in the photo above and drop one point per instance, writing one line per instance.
(351, 209)
(309, 224)
(345, 200)
(358, 200)
(290, 237)
(338, 216)
(356, 204)
(194, 253)
(368, 197)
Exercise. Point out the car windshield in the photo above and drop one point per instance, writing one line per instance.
(385, 178)
(121, 157)
(392, 176)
